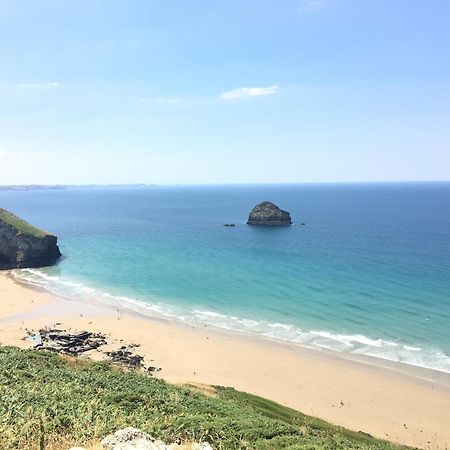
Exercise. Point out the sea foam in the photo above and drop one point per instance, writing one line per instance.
(426, 357)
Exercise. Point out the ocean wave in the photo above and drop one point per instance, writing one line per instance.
(426, 357)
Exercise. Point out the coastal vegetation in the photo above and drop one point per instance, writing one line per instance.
(20, 225)
(50, 402)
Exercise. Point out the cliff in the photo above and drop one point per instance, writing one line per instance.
(23, 245)
(266, 213)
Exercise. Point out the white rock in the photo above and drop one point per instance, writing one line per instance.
(129, 438)
(135, 439)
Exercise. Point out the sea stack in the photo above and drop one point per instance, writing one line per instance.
(23, 245)
(267, 213)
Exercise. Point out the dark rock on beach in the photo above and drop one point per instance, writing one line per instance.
(23, 245)
(61, 341)
(267, 213)
(125, 357)
(76, 343)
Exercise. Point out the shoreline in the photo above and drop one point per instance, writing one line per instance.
(409, 405)
(164, 311)
(418, 373)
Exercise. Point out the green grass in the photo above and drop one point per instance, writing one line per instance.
(44, 397)
(21, 225)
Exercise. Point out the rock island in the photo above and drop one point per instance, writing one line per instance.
(267, 213)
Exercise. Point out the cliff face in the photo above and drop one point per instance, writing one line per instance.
(266, 213)
(22, 245)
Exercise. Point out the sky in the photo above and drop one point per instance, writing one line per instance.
(224, 91)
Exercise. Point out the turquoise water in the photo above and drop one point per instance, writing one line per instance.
(368, 273)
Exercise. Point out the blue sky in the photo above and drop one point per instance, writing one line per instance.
(224, 91)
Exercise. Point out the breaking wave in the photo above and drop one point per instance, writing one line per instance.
(426, 357)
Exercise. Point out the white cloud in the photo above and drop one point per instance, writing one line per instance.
(161, 100)
(248, 92)
(311, 5)
(39, 86)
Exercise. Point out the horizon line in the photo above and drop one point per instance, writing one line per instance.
(56, 185)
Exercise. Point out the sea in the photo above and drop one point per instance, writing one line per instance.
(363, 270)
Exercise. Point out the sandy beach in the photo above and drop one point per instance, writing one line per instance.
(411, 408)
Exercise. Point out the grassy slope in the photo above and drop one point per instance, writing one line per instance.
(20, 224)
(44, 395)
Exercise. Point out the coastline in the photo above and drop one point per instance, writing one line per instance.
(402, 404)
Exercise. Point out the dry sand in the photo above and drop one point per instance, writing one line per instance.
(410, 408)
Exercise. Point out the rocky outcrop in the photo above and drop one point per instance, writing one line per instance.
(61, 341)
(135, 439)
(22, 245)
(266, 213)
(76, 343)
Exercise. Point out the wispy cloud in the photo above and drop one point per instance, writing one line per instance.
(161, 100)
(311, 5)
(248, 92)
(38, 86)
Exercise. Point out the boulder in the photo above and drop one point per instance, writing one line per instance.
(134, 439)
(23, 245)
(131, 438)
(267, 213)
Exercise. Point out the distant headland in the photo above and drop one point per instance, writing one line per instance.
(32, 187)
